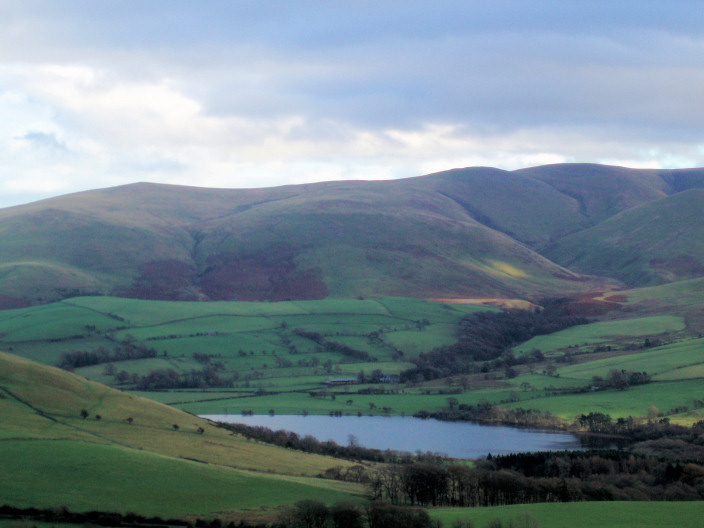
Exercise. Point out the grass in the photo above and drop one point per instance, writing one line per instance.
(258, 341)
(603, 332)
(405, 403)
(643, 246)
(56, 457)
(584, 514)
(84, 476)
(632, 402)
(665, 362)
(277, 368)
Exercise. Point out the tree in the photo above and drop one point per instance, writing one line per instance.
(381, 515)
(345, 515)
(452, 402)
(619, 379)
(310, 514)
(84, 414)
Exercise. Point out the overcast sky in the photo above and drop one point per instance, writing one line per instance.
(260, 93)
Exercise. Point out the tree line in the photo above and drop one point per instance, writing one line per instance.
(334, 346)
(315, 514)
(524, 478)
(126, 350)
(486, 412)
(163, 379)
(485, 339)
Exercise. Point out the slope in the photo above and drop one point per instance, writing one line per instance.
(85, 458)
(343, 239)
(460, 233)
(654, 243)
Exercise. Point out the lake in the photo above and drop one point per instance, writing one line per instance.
(454, 439)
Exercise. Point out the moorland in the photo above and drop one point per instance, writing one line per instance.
(564, 297)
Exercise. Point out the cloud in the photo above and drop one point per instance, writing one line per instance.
(266, 93)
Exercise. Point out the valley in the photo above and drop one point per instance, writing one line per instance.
(565, 297)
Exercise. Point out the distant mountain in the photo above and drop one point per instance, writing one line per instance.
(460, 233)
(654, 243)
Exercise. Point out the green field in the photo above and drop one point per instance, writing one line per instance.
(665, 363)
(267, 347)
(84, 476)
(159, 462)
(582, 515)
(270, 351)
(603, 332)
(622, 403)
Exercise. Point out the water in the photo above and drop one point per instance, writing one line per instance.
(454, 439)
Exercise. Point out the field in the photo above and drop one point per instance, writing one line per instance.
(285, 348)
(84, 476)
(277, 356)
(173, 463)
(603, 332)
(582, 515)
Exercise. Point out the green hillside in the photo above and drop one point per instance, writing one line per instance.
(603, 191)
(651, 244)
(522, 207)
(131, 454)
(461, 233)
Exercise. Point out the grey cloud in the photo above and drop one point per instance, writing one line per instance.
(506, 81)
(628, 71)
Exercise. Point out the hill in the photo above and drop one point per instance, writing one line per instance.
(476, 232)
(655, 243)
(126, 453)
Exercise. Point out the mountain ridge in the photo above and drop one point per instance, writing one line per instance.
(476, 231)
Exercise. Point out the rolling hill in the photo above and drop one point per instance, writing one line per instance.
(654, 243)
(476, 232)
(129, 454)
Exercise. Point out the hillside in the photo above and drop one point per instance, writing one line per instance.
(654, 243)
(475, 232)
(172, 467)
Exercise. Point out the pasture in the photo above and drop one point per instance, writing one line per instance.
(84, 476)
(276, 356)
(130, 454)
(603, 332)
(581, 515)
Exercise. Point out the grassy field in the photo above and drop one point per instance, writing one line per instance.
(131, 454)
(603, 332)
(635, 401)
(582, 515)
(665, 363)
(272, 351)
(83, 476)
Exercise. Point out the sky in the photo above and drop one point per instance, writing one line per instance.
(262, 93)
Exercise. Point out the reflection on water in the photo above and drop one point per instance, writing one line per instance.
(454, 439)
